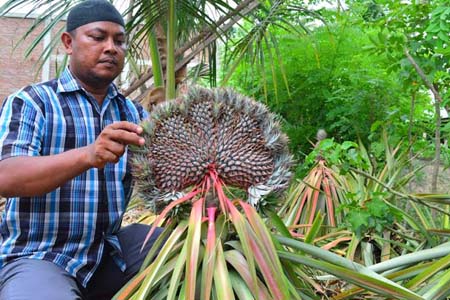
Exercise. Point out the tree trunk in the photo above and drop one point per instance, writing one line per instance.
(437, 159)
(437, 109)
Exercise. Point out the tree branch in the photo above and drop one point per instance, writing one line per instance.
(422, 75)
(398, 194)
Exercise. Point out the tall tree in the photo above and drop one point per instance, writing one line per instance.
(418, 33)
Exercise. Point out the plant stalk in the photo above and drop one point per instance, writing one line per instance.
(158, 77)
(171, 36)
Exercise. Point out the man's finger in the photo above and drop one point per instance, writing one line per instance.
(127, 138)
(127, 126)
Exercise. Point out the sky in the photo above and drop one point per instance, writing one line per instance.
(120, 4)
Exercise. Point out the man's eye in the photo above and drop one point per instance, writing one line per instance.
(97, 37)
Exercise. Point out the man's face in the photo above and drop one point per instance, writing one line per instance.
(97, 52)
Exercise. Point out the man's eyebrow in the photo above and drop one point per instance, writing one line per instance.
(100, 30)
(97, 29)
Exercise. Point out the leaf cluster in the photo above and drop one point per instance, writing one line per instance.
(345, 155)
(370, 216)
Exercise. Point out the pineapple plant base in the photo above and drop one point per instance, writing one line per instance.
(312, 206)
(213, 255)
(215, 245)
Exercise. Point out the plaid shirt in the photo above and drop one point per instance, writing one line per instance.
(70, 225)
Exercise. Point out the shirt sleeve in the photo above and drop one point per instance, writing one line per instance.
(137, 109)
(21, 127)
(143, 113)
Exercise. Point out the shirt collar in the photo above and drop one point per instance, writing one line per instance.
(68, 83)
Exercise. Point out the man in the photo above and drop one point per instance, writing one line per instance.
(63, 167)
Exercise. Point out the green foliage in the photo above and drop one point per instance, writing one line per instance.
(351, 77)
(344, 155)
(422, 29)
(370, 216)
(439, 28)
(334, 84)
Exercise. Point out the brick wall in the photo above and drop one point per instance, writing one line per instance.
(15, 70)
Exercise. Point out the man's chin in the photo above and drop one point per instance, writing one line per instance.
(106, 77)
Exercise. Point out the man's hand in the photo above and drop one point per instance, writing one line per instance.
(112, 141)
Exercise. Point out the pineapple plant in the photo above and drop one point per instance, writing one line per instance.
(210, 160)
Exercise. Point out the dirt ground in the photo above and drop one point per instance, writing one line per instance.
(422, 181)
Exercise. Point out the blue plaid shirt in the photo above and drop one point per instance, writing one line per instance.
(70, 225)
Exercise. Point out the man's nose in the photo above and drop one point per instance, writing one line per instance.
(110, 45)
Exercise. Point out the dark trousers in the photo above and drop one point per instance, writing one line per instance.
(31, 279)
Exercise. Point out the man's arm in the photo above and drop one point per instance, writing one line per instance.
(25, 176)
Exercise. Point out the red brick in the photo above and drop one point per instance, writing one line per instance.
(16, 71)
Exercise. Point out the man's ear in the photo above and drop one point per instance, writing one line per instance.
(66, 39)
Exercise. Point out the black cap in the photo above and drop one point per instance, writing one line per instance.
(92, 11)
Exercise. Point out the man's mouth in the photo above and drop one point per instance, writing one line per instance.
(109, 61)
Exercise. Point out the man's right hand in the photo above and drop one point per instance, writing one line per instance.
(110, 145)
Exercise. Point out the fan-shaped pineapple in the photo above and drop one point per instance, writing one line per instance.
(208, 131)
